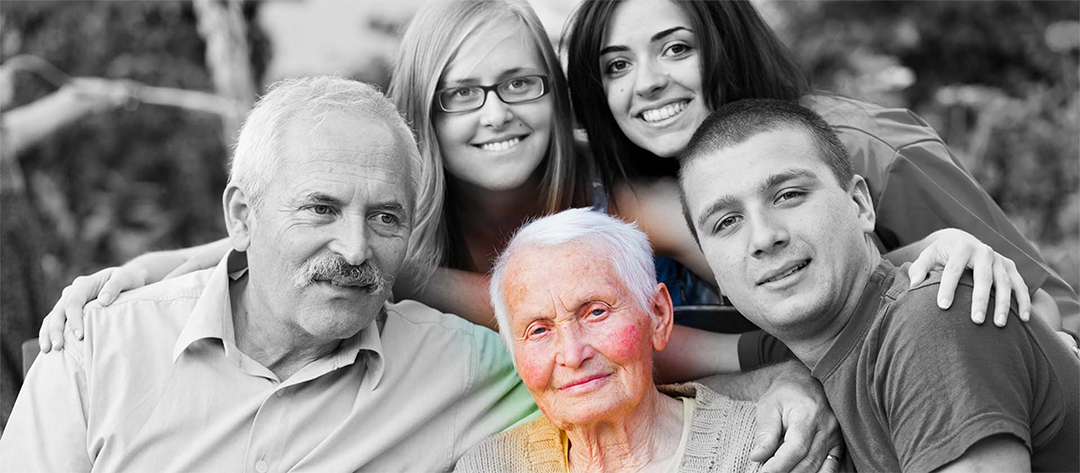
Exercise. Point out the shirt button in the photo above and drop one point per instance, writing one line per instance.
(260, 466)
(280, 393)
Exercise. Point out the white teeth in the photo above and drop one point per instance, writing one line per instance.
(663, 113)
(500, 145)
(787, 273)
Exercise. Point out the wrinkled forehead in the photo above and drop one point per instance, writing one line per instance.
(567, 271)
(358, 140)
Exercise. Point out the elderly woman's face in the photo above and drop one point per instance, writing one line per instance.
(583, 345)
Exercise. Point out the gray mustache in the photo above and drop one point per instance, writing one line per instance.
(336, 269)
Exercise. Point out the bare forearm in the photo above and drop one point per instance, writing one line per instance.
(752, 385)
(457, 292)
(694, 354)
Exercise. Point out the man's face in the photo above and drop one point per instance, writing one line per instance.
(332, 229)
(582, 343)
(783, 237)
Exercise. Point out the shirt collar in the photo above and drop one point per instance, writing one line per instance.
(212, 315)
(212, 318)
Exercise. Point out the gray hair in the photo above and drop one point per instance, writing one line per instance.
(260, 146)
(625, 246)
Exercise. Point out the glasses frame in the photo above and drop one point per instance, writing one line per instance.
(544, 83)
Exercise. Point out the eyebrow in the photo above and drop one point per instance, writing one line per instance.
(774, 180)
(470, 81)
(656, 37)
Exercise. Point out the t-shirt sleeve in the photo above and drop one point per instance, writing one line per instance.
(943, 383)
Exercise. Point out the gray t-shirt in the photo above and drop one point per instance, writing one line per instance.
(914, 386)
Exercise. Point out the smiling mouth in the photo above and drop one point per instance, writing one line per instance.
(665, 112)
(500, 145)
(368, 288)
(793, 270)
(582, 381)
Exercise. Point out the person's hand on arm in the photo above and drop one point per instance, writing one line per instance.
(796, 429)
(108, 283)
(954, 251)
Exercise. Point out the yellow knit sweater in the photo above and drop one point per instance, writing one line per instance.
(721, 434)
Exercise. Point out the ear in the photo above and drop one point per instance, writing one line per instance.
(238, 216)
(860, 194)
(663, 317)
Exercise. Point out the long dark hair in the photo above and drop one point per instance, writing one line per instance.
(741, 58)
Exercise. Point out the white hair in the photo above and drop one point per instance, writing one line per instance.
(306, 102)
(623, 244)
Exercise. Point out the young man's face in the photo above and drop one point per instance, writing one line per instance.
(783, 236)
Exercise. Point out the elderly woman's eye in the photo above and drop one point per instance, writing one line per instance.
(537, 331)
(597, 311)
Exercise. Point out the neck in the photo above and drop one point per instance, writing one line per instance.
(263, 336)
(486, 219)
(810, 349)
(645, 439)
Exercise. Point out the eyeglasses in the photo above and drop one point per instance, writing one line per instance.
(510, 91)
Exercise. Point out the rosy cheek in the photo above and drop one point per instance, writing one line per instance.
(534, 369)
(625, 343)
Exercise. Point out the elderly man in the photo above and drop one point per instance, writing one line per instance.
(786, 225)
(286, 356)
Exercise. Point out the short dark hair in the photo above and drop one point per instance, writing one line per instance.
(741, 58)
(738, 121)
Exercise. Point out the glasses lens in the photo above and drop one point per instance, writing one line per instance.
(458, 99)
(521, 89)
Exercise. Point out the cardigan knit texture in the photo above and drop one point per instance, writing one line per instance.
(720, 438)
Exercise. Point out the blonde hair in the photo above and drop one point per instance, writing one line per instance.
(429, 44)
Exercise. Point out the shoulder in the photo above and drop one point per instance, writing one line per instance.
(895, 127)
(534, 447)
(421, 320)
(154, 315)
(721, 430)
(153, 306)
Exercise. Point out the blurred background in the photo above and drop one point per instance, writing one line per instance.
(997, 79)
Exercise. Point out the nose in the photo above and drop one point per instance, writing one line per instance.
(767, 237)
(650, 79)
(351, 240)
(572, 350)
(495, 113)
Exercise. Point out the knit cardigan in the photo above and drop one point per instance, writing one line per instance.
(721, 434)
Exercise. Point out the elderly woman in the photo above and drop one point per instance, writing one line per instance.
(581, 312)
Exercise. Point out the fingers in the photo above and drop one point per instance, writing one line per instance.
(983, 280)
(1019, 288)
(832, 460)
(768, 433)
(1069, 342)
(68, 310)
(950, 276)
(919, 269)
(1002, 295)
(791, 453)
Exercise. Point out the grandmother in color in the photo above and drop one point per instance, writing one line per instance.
(581, 312)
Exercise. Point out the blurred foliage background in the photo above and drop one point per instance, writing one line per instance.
(997, 79)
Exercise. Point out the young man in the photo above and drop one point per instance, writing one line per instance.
(785, 225)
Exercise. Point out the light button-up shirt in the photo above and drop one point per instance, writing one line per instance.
(158, 384)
